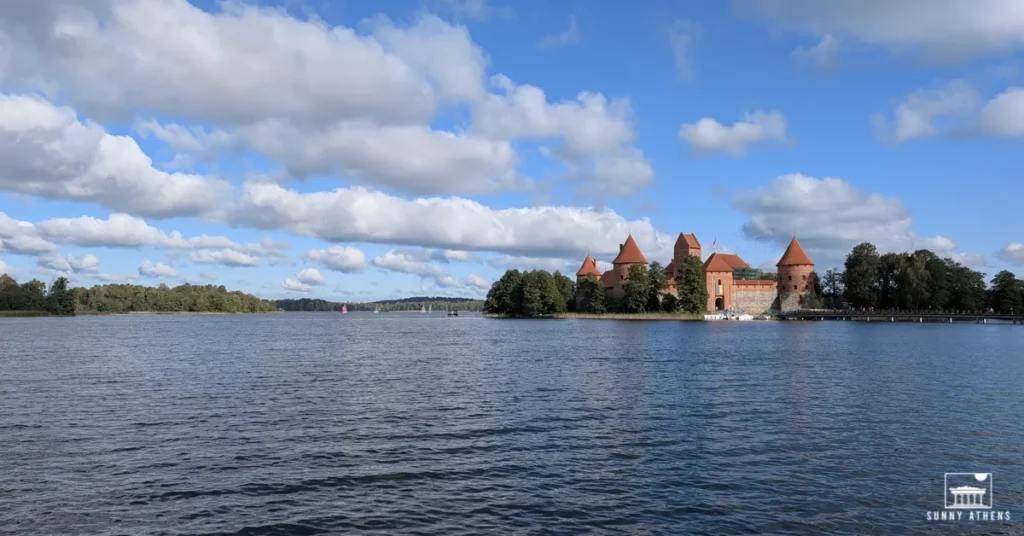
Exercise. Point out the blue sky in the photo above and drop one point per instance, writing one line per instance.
(366, 150)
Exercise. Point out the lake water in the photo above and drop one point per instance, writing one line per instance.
(308, 423)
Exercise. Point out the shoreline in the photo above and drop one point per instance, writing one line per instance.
(683, 317)
(37, 314)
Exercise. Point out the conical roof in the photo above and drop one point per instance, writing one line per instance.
(795, 255)
(589, 268)
(630, 253)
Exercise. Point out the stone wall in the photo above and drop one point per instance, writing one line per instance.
(754, 297)
(790, 301)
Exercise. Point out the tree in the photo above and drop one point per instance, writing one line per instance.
(637, 289)
(506, 295)
(669, 303)
(10, 294)
(832, 290)
(814, 298)
(860, 277)
(554, 300)
(592, 295)
(1006, 294)
(658, 282)
(536, 297)
(59, 300)
(691, 286)
(966, 287)
(890, 271)
(914, 282)
(937, 284)
(566, 288)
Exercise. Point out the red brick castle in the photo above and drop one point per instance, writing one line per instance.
(724, 291)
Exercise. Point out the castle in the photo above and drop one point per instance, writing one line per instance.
(725, 289)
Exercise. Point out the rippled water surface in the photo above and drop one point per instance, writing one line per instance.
(308, 423)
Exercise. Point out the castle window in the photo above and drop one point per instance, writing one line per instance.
(719, 289)
(794, 287)
(790, 278)
(805, 278)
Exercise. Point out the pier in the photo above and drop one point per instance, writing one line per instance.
(903, 316)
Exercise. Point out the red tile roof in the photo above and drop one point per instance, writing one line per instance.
(609, 279)
(795, 256)
(690, 239)
(734, 260)
(589, 268)
(630, 253)
(716, 263)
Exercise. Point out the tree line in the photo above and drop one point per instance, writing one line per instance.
(918, 281)
(404, 304)
(538, 292)
(60, 299)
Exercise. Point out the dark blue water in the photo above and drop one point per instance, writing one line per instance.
(407, 424)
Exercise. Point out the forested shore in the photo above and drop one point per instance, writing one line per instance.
(33, 298)
(405, 304)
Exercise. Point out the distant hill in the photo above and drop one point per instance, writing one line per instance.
(404, 304)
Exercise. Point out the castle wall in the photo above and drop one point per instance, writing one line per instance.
(754, 297)
(793, 284)
(711, 280)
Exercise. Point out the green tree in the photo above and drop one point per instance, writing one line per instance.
(10, 294)
(966, 287)
(861, 276)
(658, 282)
(592, 295)
(637, 291)
(937, 283)
(506, 295)
(691, 286)
(1006, 293)
(669, 303)
(815, 298)
(59, 300)
(914, 283)
(567, 290)
(890, 271)
(536, 298)
(833, 289)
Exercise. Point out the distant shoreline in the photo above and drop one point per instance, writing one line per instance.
(683, 317)
(36, 314)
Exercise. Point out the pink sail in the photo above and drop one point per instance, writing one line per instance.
(344, 308)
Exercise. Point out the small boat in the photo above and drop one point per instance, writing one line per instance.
(376, 310)
(423, 309)
(453, 313)
(344, 308)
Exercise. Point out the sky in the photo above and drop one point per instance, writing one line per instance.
(363, 150)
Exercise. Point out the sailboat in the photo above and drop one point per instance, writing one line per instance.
(430, 309)
(376, 310)
(344, 308)
(423, 309)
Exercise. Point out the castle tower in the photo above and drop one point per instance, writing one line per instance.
(629, 254)
(589, 267)
(795, 269)
(686, 244)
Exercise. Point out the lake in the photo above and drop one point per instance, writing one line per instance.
(309, 423)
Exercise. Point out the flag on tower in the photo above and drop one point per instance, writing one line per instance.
(715, 241)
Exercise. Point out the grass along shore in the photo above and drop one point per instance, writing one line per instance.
(19, 314)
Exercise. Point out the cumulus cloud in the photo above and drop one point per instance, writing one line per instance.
(831, 215)
(708, 134)
(918, 114)
(295, 286)
(475, 10)
(824, 55)
(338, 258)
(953, 29)
(508, 262)
(195, 139)
(7, 269)
(395, 261)
(45, 150)
(76, 267)
(1004, 114)
(158, 269)
(361, 215)
(226, 257)
(1012, 253)
(566, 37)
(124, 230)
(310, 276)
(22, 237)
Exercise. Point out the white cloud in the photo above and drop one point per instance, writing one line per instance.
(338, 258)
(1004, 114)
(831, 216)
(1012, 253)
(158, 269)
(681, 37)
(295, 286)
(917, 116)
(708, 134)
(310, 276)
(476, 10)
(123, 230)
(227, 257)
(395, 261)
(360, 215)
(955, 29)
(83, 263)
(970, 260)
(508, 262)
(45, 150)
(210, 276)
(430, 161)
(22, 237)
(7, 269)
(568, 36)
(825, 54)
(196, 139)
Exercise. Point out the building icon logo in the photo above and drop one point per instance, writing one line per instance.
(968, 491)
